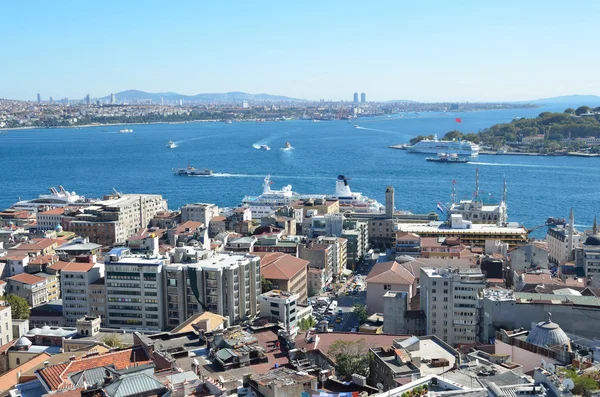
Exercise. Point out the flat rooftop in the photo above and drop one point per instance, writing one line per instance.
(476, 228)
(222, 260)
(428, 348)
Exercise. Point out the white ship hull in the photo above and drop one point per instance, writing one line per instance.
(443, 149)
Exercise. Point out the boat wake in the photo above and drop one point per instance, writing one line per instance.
(256, 146)
(374, 129)
(227, 175)
(516, 165)
(286, 149)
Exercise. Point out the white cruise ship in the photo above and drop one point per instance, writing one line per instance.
(434, 145)
(269, 200)
(353, 201)
(56, 199)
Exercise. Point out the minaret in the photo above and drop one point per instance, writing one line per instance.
(389, 202)
(571, 227)
(477, 183)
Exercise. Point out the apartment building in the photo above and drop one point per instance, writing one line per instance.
(227, 284)
(29, 287)
(285, 272)
(340, 253)
(357, 234)
(6, 328)
(134, 294)
(115, 218)
(97, 300)
(49, 220)
(279, 306)
(450, 299)
(199, 212)
(75, 281)
(319, 256)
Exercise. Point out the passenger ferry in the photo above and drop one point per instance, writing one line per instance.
(435, 146)
(191, 171)
(125, 131)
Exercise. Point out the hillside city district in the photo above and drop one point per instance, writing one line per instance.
(293, 295)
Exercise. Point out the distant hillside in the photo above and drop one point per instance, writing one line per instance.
(130, 95)
(569, 99)
(401, 101)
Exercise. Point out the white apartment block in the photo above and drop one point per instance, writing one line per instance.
(280, 306)
(134, 290)
(6, 329)
(75, 280)
(451, 301)
(227, 284)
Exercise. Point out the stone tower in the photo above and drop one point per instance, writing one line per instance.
(389, 202)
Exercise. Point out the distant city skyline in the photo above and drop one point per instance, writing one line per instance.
(470, 51)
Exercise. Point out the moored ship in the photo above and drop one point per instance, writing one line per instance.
(56, 199)
(266, 203)
(353, 201)
(435, 146)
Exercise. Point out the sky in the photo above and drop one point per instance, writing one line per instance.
(418, 50)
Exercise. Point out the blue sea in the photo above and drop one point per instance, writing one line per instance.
(92, 161)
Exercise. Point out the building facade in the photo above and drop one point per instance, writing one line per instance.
(199, 212)
(450, 299)
(279, 306)
(134, 290)
(75, 280)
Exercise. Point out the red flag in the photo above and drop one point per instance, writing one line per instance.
(458, 120)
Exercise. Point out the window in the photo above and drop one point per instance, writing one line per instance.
(387, 287)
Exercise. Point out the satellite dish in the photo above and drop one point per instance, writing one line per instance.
(380, 386)
(543, 363)
(568, 384)
(551, 367)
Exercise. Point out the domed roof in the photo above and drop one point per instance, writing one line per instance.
(548, 334)
(404, 258)
(45, 328)
(34, 331)
(58, 228)
(593, 240)
(23, 342)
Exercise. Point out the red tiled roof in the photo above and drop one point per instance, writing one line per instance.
(44, 259)
(78, 267)
(280, 266)
(390, 273)
(26, 278)
(327, 339)
(57, 376)
(60, 265)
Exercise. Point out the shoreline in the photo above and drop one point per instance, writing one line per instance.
(491, 153)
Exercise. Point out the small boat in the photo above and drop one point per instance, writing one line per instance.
(287, 146)
(448, 158)
(228, 122)
(264, 147)
(356, 126)
(191, 171)
(171, 145)
(125, 131)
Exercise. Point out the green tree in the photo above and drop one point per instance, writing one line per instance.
(361, 312)
(19, 307)
(570, 111)
(266, 285)
(581, 110)
(112, 340)
(350, 357)
(307, 323)
(584, 384)
(450, 135)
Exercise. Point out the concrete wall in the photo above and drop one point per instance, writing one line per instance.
(529, 360)
(375, 294)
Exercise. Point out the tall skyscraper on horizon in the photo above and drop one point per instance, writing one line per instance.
(87, 99)
(356, 97)
(51, 100)
(39, 98)
(113, 99)
(363, 98)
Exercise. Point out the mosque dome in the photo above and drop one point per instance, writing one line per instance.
(404, 258)
(593, 240)
(58, 228)
(35, 331)
(23, 342)
(548, 334)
